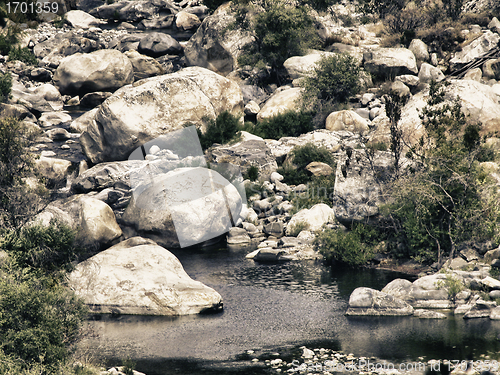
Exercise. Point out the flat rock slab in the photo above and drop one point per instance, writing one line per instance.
(139, 277)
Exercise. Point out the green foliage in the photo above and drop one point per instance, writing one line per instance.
(222, 130)
(452, 285)
(38, 320)
(335, 78)
(5, 86)
(445, 201)
(24, 55)
(301, 156)
(128, 367)
(494, 272)
(353, 248)
(298, 227)
(287, 124)
(47, 249)
(319, 190)
(18, 202)
(281, 31)
(213, 4)
(381, 7)
(253, 173)
(443, 35)
(394, 103)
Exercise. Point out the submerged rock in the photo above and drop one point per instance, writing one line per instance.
(139, 277)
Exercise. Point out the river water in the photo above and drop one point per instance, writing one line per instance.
(277, 308)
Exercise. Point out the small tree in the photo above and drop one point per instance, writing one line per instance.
(335, 78)
(446, 200)
(394, 103)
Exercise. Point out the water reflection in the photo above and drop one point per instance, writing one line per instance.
(282, 305)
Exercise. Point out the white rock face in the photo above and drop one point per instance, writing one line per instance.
(346, 120)
(430, 73)
(390, 62)
(137, 276)
(186, 21)
(135, 115)
(53, 169)
(215, 45)
(81, 20)
(367, 301)
(98, 221)
(419, 49)
(184, 207)
(475, 49)
(315, 217)
(286, 100)
(300, 66)
(102, 70)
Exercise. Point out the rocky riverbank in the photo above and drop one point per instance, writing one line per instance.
(140, 71)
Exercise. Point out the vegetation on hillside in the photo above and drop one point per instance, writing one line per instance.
(40, 319)
(442, 201)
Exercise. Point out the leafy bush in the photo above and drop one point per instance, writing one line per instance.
(335, 78)
(24, 55)
(5, 86)
(381, 7)
(38, 321)
(445, 201)
(354, 247)
(252, 173)
(18, 202)
(48, 249)
(453, 286)
(282, 31)
(443, 36)
(287, 124)
(298, 227)
(319, 190)
(301, 156)
(222, 130)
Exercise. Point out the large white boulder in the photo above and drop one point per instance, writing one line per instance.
(137, 114)
(476, 48)
(300, 66)
(184, 207)
(315, 217)
(139, 277)
(388, 63)
(81, 20)
(367, 301)
(281, 102)
(217, 44)
(102, 70)
(346, 120)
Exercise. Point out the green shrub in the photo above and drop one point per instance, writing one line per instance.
(222, 130)
(252, 173)
(38, 321)
(18, 202)
(381, 7)
(442, 35)
(288, 124)
(48, 249)
(319, 190)
(453, 286)
(8, 38)
(214, 4)
(353, 248)
(281, 31)
(298, 227)
(444, 201)
(24, 55)
(301, 156)
(5, 86)
(335, 78)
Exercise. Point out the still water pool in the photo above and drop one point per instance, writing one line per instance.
(276, 308)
